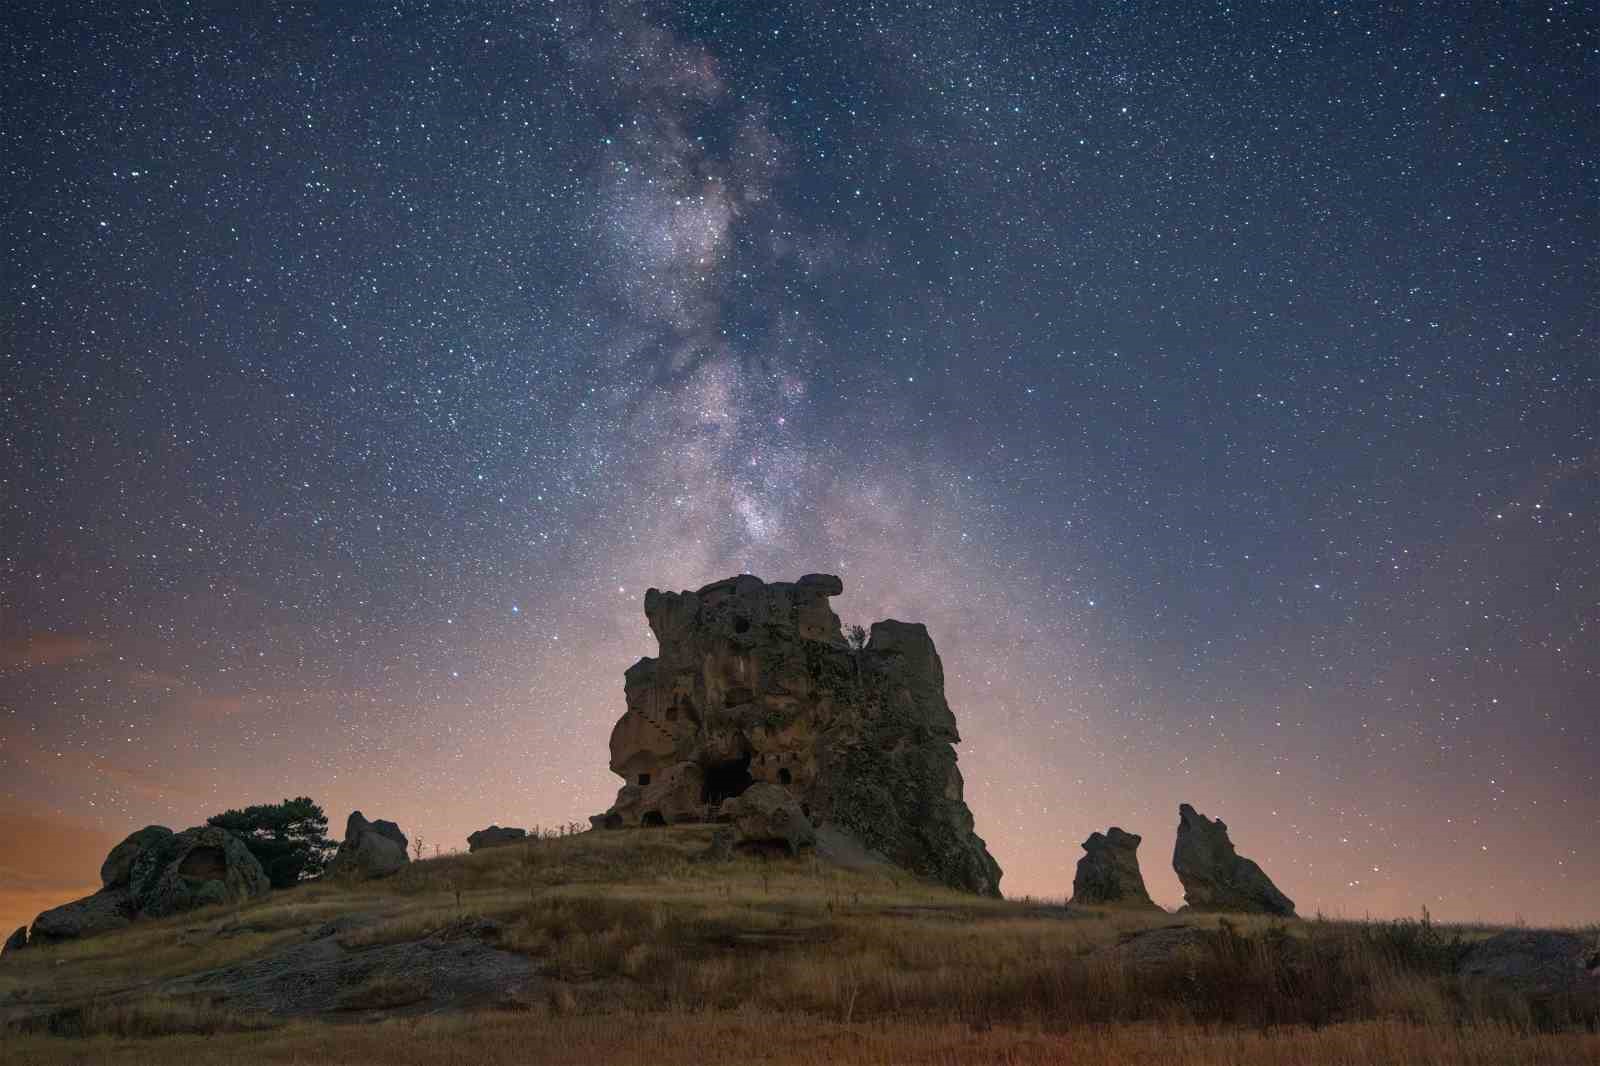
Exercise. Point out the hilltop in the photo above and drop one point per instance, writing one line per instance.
(631, 945)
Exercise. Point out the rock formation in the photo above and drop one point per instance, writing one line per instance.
(495, 837)
(16, 941)
(108, 909)
(118, 867)
(1217, 878)
(1543, 963)
(767, 815)
(756, 683)
(1108, 874)
(153, 873)
(369, 849)
(190, 869)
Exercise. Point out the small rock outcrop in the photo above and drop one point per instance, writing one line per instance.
(196, 867)
(755, 683)
(495, 837)
(1108, 874)
(369, 849)
(1216, 877)
(16, 941)
(118, 867)
(768, 815)
(1541, 962)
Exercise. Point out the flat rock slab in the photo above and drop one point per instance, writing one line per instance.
(322, 976)
(1541, 962)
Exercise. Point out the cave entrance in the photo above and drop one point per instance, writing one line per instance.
(725, 780)
(652, 820)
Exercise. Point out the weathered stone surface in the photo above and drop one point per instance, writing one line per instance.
(1108, 874)
(766, 815)
(1539, 962)
(108, 909)
(16, 941)
(495, 837)
(369, 849)
(755, 683)
(194, 868)
(1216, 877)
(118, 866)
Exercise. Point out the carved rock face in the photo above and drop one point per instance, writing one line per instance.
(1217, 878)
(1108, 874)
(756, 684)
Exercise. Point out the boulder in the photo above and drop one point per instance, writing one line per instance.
(194, 868)
(369, 849)
(1217, 878)
(495, 837)
(768, 815)
(1542, 963)
(118, 867)
(108, 909)
(1108, 874)
(755, 684)
(16, 941)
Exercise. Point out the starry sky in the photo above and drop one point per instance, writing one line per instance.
(1219, 383)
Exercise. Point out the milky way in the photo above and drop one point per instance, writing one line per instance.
(1221, 388)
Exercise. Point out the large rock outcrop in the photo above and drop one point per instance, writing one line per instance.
(1216, 877)
(756, 683)
(193, 868)
(15, 942)
(369, 849)
(496, 837)
(155, 872)
(1108, 874)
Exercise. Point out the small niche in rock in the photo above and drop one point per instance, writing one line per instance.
(652, 820)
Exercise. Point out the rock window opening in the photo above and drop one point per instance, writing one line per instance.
(741, 625)
(204, 864)
(652, 820)
(644, 779)
(785, 777)
(724, 780)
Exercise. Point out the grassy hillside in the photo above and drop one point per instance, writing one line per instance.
(621, 946)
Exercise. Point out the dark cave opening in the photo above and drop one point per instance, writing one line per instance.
(724, 780)
(652, 820)
(785, 777)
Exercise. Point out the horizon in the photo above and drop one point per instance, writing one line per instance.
(1220, 389)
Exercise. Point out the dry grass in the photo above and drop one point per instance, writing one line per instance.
(744, 1037)
(803, 962)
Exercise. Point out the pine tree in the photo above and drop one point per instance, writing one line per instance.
(289, 839)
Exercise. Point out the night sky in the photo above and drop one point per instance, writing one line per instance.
(1219, 383)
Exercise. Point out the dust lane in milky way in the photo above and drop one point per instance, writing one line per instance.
(1219, 387)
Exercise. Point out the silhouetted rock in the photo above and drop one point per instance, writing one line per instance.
(108, 909)
(1108, 874)
(118, 866)
(196, 867)
(1543, 963)
(769, 815)
(16, 941)
(755, 683)
(495, 837)
(1217, 878)
(369, 849)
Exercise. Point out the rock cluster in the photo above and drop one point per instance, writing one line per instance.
(495, 837)
(153, 873)
(755, 683)
(1216, 877)
(1108, 874)
(369, 849)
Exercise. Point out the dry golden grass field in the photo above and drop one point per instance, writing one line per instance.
(631, 951)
